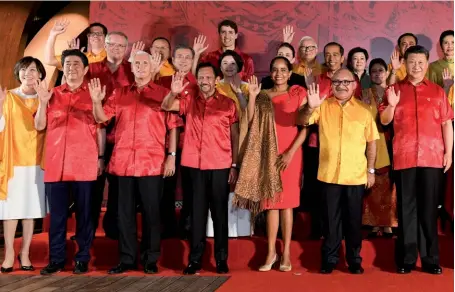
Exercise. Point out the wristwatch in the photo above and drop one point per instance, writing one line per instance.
(234, 166)
(371, 170)
(172, 154)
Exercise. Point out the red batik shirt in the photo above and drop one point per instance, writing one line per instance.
(248, 65)
(417, 125)
(140, 130)
(207, 143)
(71, 140)
(192, 89)
(123, 76)
(325, 90)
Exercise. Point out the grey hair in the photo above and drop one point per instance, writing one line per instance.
(307, 38)
(108, 36)
(141, 53)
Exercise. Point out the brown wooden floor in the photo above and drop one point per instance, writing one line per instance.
(25, 283)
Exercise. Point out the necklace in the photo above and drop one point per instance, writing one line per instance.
(376, 96)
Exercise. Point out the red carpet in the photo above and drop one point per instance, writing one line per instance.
(246, 254)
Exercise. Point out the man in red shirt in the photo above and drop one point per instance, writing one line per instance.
(114, 72)
(210, 153)
(71, 159)
(228, 33)
(138, 159)
(422, 152)
(182, 59)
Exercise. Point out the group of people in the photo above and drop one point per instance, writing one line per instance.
(378, 141)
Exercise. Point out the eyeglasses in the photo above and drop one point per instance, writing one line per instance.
(111, 45)
(309, 48)
(344, 82)
(98, 34)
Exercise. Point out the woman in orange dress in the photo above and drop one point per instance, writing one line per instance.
(285, 104)
(379, 205)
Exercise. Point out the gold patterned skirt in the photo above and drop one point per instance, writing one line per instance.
(380, 202)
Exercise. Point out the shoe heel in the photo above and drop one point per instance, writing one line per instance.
(266, 268)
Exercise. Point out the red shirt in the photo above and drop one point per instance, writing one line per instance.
(123, 76)
(140, 130)
(417, 125)
(248, 65)
(71, 141)
(207, 143)
(325, 89)
(192, 89)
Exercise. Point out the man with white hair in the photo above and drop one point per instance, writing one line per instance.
(138, 159)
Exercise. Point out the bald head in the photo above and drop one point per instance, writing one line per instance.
(343, 74)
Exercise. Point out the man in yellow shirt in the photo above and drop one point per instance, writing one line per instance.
(161, 46)
(346, 129)
(397, 69)
(95, 52)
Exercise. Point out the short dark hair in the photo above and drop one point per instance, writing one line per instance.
(229, 23)
(77, 53)
(206, 65)
(405, 35)
(443, 35)
(288, 63)
(238, 60)
(351, 55)
(162, 39)
(416, 50)
(377, 61)
(180, 47)
(289, 46)
(25, 62)
(335, 44)
(99, 25)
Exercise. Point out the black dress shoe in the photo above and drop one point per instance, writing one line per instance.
(327, 268)
(52, 268)
(121, 268)
(355, 269)
(24, 268)
(405, 269)
(432, 269)
(6, 270)
(192, 268)
(80, 268)
(150, 268)
(222, 267)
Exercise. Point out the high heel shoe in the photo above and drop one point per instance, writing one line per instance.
(6, 270)
(25, 268)
(284, 268)
(266, 268)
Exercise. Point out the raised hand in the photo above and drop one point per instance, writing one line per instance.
(313, 97)
(447, 78)
(177, 85)
(59, 27)
(236, 84)
(3, 93)
(393, 98)
(74, 44)
(137, 46)
(395, 60)
(44, 94)
(199, 44)
(156, 63)
(254, 87)
(96, 92)
(288, 34)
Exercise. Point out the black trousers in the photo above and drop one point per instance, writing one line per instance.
(168, 215)
(312, 189)
(418, 192)
(58, 197)
(187, 197)
(210, 189)
(342, 206)
(150, 191)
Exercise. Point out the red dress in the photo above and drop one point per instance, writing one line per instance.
(286, 108)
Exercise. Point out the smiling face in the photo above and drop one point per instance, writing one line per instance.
(229, 66)
(74, 69)
(142, 67)
(447, 46)
(405, 43)
(287, 53)
(333, 57)
(228, 36)
(416, 66)
(343, 85)
(116, 47)
(96, 36)
(183, 60)
(29, 75)
(280, 73)
(359, 62)
(206, 80)
(161, 47)
(308, 50)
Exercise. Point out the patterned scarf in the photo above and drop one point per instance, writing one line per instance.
(259, 178)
